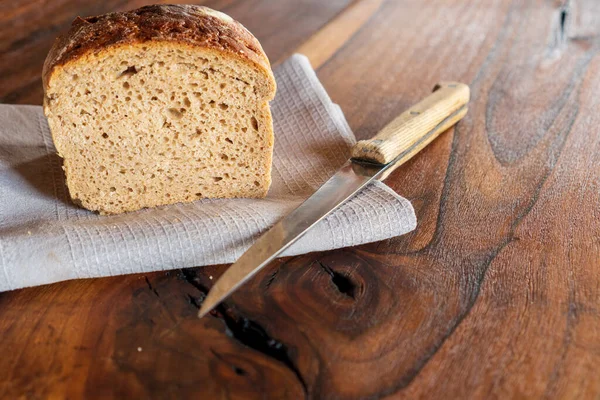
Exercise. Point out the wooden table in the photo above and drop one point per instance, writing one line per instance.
(495, 295)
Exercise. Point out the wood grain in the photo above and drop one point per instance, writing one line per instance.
(495, 295)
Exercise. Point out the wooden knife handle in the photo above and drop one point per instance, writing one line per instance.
(416, 127)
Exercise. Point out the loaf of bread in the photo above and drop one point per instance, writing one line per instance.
(163, 104)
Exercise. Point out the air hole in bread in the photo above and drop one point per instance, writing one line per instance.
(175, 113)
(131, 70)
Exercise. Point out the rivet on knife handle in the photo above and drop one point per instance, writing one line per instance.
(415, 128)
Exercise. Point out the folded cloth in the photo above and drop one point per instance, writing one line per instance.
(45, 238)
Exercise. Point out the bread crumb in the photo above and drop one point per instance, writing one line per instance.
(139, 349)
(210, 277)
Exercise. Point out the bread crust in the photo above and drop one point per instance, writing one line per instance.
(190, 24)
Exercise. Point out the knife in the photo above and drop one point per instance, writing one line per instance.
(372, 159)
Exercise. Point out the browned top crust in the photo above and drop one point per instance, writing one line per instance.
(195, 25)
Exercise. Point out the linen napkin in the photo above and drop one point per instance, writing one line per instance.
(44, 238)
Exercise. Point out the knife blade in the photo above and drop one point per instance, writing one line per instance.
(372, 159)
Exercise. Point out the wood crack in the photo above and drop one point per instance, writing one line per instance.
(244, 330)
(271, 278)
(151, 287)
(343, 284)
(560, 22)
(564, 19)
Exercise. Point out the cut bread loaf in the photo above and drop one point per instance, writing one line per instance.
(160, 105)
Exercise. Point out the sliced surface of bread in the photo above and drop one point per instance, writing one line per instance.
(160, 105)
